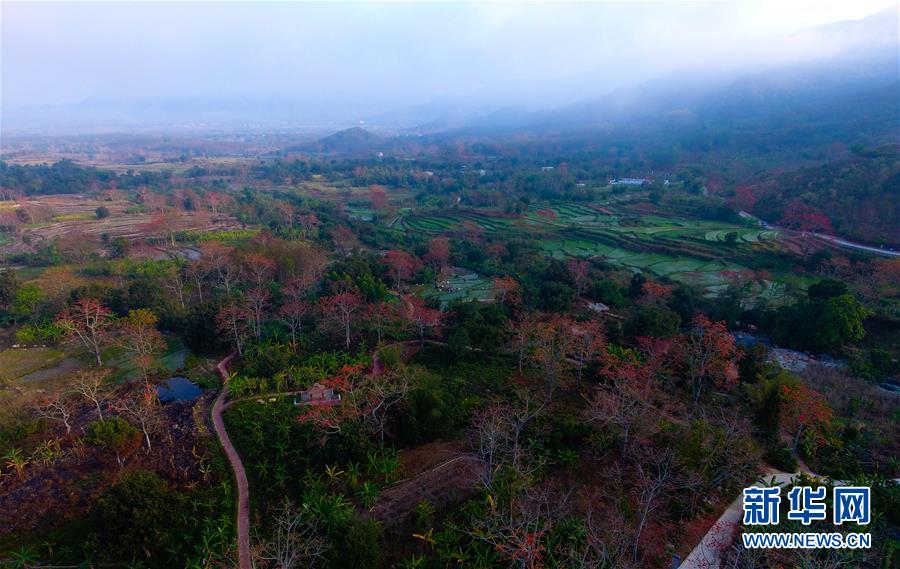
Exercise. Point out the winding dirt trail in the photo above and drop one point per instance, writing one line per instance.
(240, 475)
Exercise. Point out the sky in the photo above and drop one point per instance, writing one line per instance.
(376, 56)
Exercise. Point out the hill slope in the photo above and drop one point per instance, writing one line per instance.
(354, 140)
(860, 195)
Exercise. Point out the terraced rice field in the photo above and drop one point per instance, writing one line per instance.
(744, 235)
(684, 249)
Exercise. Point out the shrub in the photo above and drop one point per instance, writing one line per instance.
(48, 333)
(112, 433)
(389, 356)
(358, 547)
(135, 516)
(782, 458)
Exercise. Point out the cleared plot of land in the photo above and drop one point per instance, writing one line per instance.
(131, 226)
(463, 285)
(449, 482)
(73, 216)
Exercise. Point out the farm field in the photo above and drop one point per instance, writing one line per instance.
(688, 250)
(463, 285)
(73, 216)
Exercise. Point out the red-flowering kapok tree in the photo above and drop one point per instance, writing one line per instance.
(257, 269)
(507, 290)
(380, 316)
(341, 310)
(234, 322)
(803, 410)
(292, 314)
(580, 271)
(378, 198)
(401, 264)
(546, 342)
(438, 252)
(137, 335)
(804, 217)
(420, 316)
(87, 320)
(709, 352)
(624, 399)
(588, 343)
(366, 398)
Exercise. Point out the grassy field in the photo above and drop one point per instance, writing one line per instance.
(19, 362)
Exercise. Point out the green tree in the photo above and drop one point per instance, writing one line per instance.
(357, 546)
(26, 301)
(110, 433)
(656, 321)
(825, 289)
(841, 322)
(134, 517)
(9, 284)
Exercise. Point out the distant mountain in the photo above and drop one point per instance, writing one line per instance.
(353, 141)
(847, 90)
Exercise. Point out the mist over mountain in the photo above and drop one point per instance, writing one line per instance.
(817, 71)
(865, 78)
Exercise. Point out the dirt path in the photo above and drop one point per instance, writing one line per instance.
(240, 475)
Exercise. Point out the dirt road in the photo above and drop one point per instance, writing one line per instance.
(240, 475)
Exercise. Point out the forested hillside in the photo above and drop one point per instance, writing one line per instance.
(860, 196)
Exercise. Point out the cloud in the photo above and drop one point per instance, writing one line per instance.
(377, 55)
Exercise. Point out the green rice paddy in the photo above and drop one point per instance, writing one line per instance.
(688, 250)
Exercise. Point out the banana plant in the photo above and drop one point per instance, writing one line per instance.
(281, 448)
(424, 513)
(23, 558)
(280, 476)
(205, 471)
(368, 494)
(414, 562)
(333, 473)
(427, 537)
(389, 467)
(284, 431)
(16, 461)
(46, 452)
(352, 474)
(263, 467)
